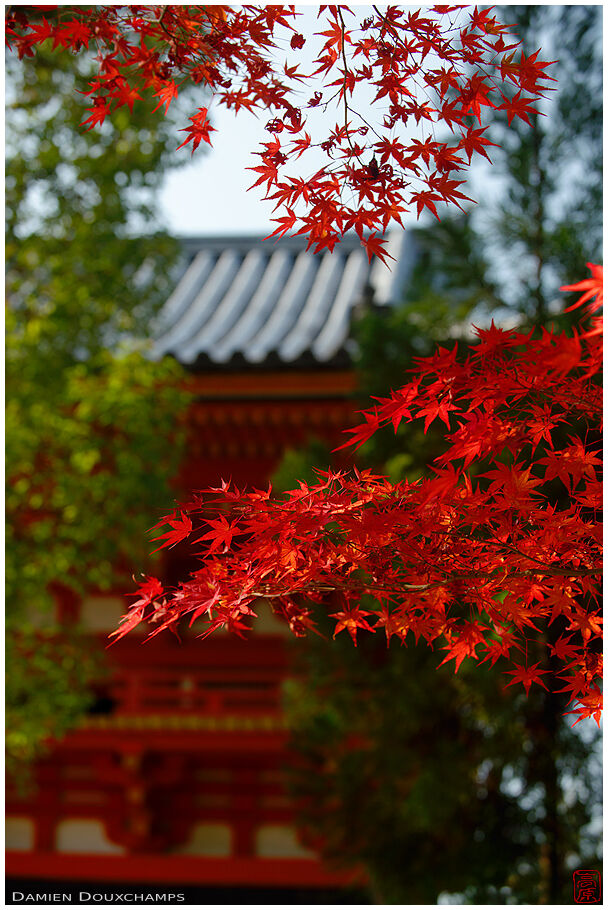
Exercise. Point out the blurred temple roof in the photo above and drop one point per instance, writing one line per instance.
(243, 302)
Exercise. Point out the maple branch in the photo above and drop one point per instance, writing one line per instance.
(508, 394)
(448, 579)
(497, 543)
(159, 21)
(388, 25)
(368, 125)
(343, 42)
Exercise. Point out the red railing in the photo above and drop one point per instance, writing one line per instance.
(159, 690)
(228, 679)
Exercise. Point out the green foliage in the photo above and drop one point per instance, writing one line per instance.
(541, 221)
(87, 265)
(46, 691)
(92, 424)
(87, 462)
(300, 464)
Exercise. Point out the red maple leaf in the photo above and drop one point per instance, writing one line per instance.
(167, 92)
(98, 113)
(199, 130)
(588, 624)
(518, 106)
(591, 287)
(514, 482)
(464, 646)
(363, 432)
(149, 589)
(562, 649)
(438, 408)
(221, 534)
(182, 526)
(589, 706)
(351, 620)
(526, 676)
(375, 246)
(73, 34)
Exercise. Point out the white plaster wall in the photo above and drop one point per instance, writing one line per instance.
(280, 841)
(83, 835)
(19, 833)
(207, 840)
(102, 614)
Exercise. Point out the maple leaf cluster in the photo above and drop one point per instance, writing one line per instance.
(482, 556)
(502, 540)
(445, 66)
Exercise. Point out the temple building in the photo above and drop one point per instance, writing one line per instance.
(176, 778)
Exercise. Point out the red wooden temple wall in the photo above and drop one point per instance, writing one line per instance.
(180, 779)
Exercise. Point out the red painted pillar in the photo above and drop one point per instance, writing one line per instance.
(245, 807)
(67, 603)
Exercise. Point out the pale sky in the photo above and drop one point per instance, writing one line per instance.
(209, 195)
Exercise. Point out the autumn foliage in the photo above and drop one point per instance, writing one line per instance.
(495, 555)
(482, 557)
(432, 72)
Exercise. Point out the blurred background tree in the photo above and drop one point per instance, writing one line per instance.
(430, 780)
(540, 219)
(437, 783)
(92, 425)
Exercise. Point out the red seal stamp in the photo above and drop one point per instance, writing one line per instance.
(587, 886)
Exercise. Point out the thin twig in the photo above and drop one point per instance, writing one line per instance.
(448, 579)
(343, 28)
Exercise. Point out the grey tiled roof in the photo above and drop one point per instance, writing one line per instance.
(241, 300)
